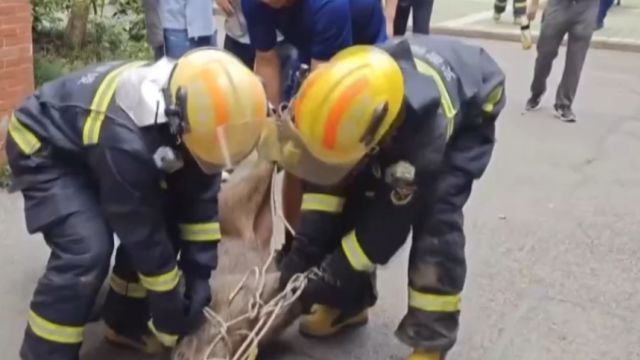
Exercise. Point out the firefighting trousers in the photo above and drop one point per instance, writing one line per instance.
(61, 204)
(437, 266)
(437, 261)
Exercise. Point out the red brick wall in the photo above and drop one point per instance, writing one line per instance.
(16, 54)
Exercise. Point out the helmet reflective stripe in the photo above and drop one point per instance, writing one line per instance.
(337, 112)
(211, 77)
(338, 103)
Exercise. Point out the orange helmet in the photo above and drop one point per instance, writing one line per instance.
(342, 111)
(222, 105)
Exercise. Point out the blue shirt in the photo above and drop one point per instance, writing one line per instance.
(195, 16)
(317, 28)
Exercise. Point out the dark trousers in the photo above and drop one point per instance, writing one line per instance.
(177, 42)
(244, 52)
(158, 52)
(561, 17)
(437, 262)
(605, 5)
(60, 202)
(421, 16)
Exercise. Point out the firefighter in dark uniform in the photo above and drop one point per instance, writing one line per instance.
(133, 149)
(389, 140)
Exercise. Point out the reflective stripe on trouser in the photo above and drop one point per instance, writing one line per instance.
(81, 246)
(433, 302)
(126, 310)
(161, 282)
(168, 340)
(519, 7)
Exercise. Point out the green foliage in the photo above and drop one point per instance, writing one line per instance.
(47, 68)
(47, 13)
(115, 31)
(132, 11)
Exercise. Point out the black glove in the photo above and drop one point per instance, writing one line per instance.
(291, 265)
(339, 286)
(198, 295)
(171, 312)
(297, 257)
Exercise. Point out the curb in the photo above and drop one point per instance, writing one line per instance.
(597, 42)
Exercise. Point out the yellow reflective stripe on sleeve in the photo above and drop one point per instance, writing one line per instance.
(356, 256)
(23, 137)
(322, 202)
(433, 302)
(100, 103)
(127, 289)
(493, 98)
(200, 232)
(161, 283)
(55, 332)
(167, 340)
(445, 99)
(501, 3)
(520, 5)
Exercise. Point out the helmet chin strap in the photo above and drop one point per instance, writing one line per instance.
(376, 122)
(175, 111)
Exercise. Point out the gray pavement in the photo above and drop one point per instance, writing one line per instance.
(553, 247)
(473, 18)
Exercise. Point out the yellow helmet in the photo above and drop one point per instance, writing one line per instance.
(222, 105)
(342, 111)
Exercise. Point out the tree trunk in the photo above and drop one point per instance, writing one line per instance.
(77, 24)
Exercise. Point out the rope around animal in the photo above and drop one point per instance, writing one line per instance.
(266, 313)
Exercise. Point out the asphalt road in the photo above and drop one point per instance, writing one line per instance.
(553, 244)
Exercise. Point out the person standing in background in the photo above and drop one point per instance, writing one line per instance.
(155, 37)
(317, 29)
(397, 15)
(560, 17)
(187, 24)
(237, 40)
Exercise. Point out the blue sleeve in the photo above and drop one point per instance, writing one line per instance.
(260, 24)
(331, 30)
